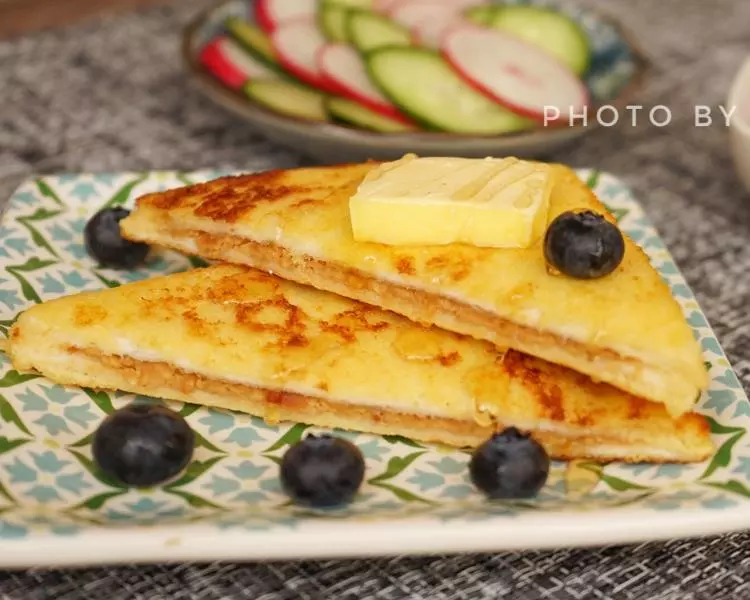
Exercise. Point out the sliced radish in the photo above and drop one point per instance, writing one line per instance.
(345, 74)
(428, 20)
(271, 13)
(297, 44)
(517, 74)
(231, 64)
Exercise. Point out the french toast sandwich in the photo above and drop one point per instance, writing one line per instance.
(237, 338)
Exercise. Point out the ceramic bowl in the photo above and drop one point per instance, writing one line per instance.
(616, 75)
(739, 127)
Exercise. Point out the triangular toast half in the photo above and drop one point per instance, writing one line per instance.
(236, 338)
(625, 329)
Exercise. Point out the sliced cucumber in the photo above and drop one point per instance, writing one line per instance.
(252, 39)
(353, 113)
(332, 20)
(424, 85)
(369, 31)
(549, 29)
(287, 98)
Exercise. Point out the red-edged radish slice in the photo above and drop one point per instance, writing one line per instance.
(517, 74)
(428, 20)
(231, 64)
(297, 44)
(263, 17)
(271, 13)
(344, 72)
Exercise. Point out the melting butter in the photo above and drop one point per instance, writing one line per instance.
(489, 202)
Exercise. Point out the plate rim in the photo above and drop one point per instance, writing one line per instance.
(527, 532)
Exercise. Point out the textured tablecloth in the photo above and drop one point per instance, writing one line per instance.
(111, 95)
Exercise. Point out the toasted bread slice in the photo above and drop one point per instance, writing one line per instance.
(625, 329)
(233, 337)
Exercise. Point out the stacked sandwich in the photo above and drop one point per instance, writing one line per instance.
(440, 299)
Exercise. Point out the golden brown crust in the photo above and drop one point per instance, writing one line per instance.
(219, 198)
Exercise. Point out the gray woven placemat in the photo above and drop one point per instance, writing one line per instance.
(110, 95)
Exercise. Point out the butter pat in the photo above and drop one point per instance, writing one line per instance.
(491, 202)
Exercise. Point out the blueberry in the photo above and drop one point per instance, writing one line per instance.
(583, 245)
(105, 243)
(510, 465)
(142, 445)
(322, 471)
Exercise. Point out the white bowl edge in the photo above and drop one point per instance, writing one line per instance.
(739, 95)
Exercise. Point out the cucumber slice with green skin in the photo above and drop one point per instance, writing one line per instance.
(252, 39)
(549, 29)
(352, 113)
(423, 85)
(287, 98)
(369, 31)
(334, 16)
(332, 19)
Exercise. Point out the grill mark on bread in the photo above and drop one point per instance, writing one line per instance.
(549, 395)
(289, 333)
(455, 266)
(405, 265)
(449, 359)
(553, 403)
(198, 326)
(85, 316)
(346, 324)
(226, 199)
(637, 407)
(225, 205)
